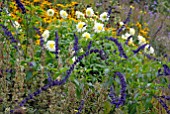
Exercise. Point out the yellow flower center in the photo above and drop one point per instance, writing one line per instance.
(64, 14)
(143, 40)
(51, 45)
(88, 12)
(80, 25)
(87, 36)
(99, 27)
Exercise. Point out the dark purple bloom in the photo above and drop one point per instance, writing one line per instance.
(151, 57)
(49, 78)
(56, 44)
(128, 40)
(160, 27)
(41, 38)
(166, 70)
(75, 44)
(119, 101)
(68, 73)
(89, 46)
(165, 97)
(139, 48)
(80, 107)
(109, 12)
(21, 6)
(163, 104)
(125, 22)
(9, 34)
(120, 48)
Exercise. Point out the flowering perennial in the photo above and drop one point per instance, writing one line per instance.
(121, 100)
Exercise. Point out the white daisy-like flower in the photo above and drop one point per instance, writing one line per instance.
(149, 49)
(16, 24)
(121, 23)
(104, 16)
(132, 31)
(98, 27)
(74, 59)
(130, 41)
(50, 12)
(89, 12)
(45, 35)
(142, 40)
(79, 14)
(81, 50)
(125, 36)
(86, 35)
(81, 26)
(50, 45)
(63, 14)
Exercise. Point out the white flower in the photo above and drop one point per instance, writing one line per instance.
(79, 14)
(74, 59)
(81, 26)
(149, 49)
(86, 35)
(104, 17)
(142, 40)
(130, 41)
(132, 31)
(98, 27)
(50, 45)
(45, 35)
(89, 12)
(16, 25)
(81, 50)
(50, 12)
(125, 37)
(63, 14)
(121, 23)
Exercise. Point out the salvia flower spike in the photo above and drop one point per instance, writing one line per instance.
(139, 48)
(125, 22)
(119, 101)
(57, 82)
(9, 34)
(80, 107)
(56, 44)
(120, 48)
(75, 44)
(21, 6)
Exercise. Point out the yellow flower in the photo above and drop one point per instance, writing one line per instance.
(63, 14)
(37, 42)
(81, 26)
(138, 25)
(86, 35)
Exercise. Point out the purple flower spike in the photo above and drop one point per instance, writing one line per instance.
(9, 34)
(125, 22)
(57, 82)
(163, 104)
(75, 44)
(80, 107)
(89, 46)
(21, 6)
(128, 40)
(120, 48)
(109, 12)
(139, 48)
(56, 44)
(119, 101)
(166, 70)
